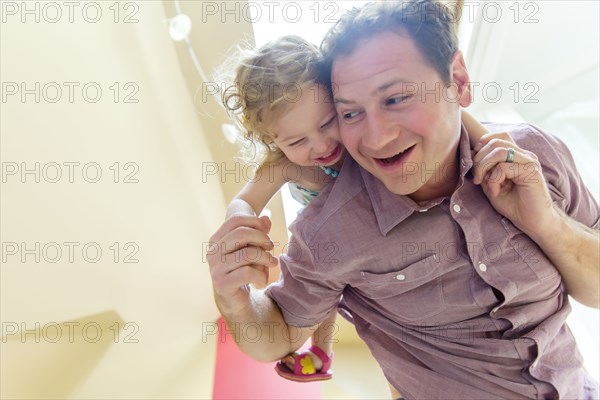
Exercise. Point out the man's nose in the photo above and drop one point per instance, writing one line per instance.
(379, 131)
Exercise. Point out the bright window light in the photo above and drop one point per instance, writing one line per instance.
(308, 19)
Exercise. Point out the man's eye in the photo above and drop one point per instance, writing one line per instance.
(297, 142)
(349, 115)
(396, 100)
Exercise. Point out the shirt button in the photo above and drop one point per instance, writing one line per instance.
(400, 277)
(456, 208)
(482, 267)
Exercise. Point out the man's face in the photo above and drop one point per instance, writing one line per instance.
(397, 118)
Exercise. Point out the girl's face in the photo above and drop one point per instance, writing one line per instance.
(307, 133)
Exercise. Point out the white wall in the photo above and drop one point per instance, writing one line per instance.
(544, 58)
(165, 298)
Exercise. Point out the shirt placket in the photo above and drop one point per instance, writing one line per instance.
(460, 213)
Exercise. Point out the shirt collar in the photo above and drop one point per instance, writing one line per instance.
(391, 209)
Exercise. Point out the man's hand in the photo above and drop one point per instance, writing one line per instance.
(514, 185)
(239, 254)
(516, 188)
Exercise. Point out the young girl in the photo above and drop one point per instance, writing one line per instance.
(279, 100)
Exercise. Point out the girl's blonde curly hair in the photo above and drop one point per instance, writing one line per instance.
(262, 82)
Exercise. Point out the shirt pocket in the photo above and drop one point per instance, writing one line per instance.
(412, 292)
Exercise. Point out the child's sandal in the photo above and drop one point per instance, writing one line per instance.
(304, 369)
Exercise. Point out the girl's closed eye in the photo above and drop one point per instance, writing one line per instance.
(296, 143)
(329, 122)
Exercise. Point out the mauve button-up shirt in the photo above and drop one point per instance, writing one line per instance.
(452, 299)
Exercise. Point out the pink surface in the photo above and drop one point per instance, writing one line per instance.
(237, 376)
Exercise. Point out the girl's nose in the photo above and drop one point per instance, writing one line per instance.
(322, 145)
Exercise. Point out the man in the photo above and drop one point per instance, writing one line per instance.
(448, 263)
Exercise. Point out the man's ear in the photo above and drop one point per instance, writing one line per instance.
(460, 77)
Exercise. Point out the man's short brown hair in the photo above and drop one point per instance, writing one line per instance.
(429, 23)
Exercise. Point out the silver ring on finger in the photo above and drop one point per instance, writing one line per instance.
(510, 156)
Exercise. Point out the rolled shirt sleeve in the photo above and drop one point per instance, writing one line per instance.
(307, 290)
(566, 187)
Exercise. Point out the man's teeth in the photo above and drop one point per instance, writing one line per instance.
(392, 159)
(395, 158)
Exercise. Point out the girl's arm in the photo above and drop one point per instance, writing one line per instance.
(270, 177)
(474, 128)
(255, 195)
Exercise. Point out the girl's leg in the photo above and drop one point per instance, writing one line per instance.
(323, 337)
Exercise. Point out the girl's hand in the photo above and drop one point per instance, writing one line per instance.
(474, 128)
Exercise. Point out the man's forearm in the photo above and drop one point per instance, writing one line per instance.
(260, 330)
(575, 251)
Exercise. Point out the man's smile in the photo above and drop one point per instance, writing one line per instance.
(396, 159)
